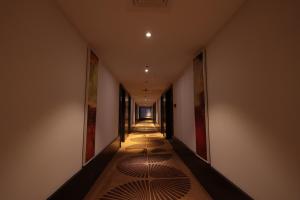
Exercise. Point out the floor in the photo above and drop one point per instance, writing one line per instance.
(146, 126)
(146, 168)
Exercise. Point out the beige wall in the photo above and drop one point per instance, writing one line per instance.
(42, 76)
(42, 96)
(184, 116)
(107, 109)
(253, 96)
(253, 87)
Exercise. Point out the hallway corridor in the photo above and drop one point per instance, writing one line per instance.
(150, 100)
(146, 167)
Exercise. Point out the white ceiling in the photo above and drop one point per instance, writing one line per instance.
(116, 30)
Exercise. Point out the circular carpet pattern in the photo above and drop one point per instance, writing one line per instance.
(160, 189)
(135, 166)
(159, 157)
(157, 181)
(135, 159)
(163, 171)
(134, 170)
(169, 189)
(136, 190)
(140, 170)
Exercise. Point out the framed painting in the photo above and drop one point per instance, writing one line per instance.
(200, 106)
(90, 106)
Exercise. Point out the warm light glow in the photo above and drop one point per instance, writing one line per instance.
(148, 114)
(146, 70)
(148, 34)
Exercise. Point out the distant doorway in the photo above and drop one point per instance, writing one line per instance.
(145, 113)
(167, 113)
(124, 113)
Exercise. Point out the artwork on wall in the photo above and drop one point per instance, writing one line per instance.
(91, 105)
(200, 106)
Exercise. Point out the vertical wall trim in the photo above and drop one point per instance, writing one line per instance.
(206, 104)
(85, 106)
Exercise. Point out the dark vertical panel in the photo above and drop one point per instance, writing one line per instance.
(169, 113)
(129, 114)
(140, 110)
(122, 108)
(199, 95)
(163, 114)
(126, 114)
(154, 112)
(136, 113)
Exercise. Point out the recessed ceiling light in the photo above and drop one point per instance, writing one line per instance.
(148, 34)
(146, 69)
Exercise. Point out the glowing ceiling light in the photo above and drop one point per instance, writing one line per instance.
(146, 69)
(148, 34)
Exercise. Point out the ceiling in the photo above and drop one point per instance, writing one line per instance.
(116, 30)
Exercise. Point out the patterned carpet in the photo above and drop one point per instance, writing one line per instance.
(146, 168)
(146, 126)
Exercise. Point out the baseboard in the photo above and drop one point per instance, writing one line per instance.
(79, 185)
(218, 186)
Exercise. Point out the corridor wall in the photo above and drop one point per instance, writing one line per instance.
(253, 100)
(42, 75)
(253, 94)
